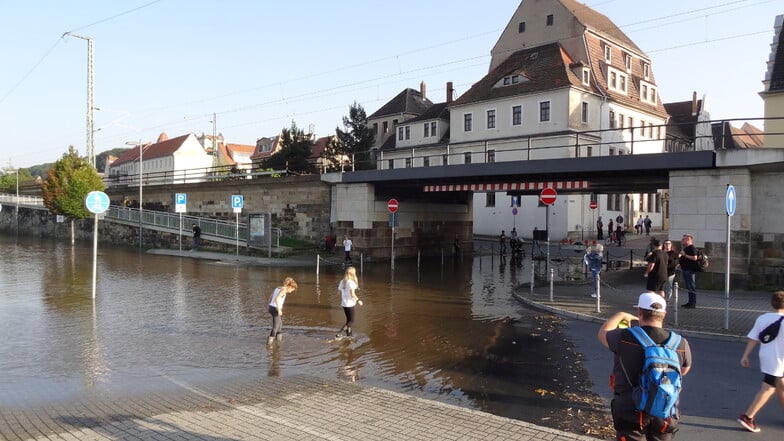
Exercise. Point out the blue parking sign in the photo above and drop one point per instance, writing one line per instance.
(181, 199)
(237, 202)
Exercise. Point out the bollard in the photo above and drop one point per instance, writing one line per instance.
(419, 259)
(361, 263)
(552, 276)
(631, 259)
(532, 276)
(318, 259)
(675, 305)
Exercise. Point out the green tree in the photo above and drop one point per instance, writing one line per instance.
(8, 179)
(357, 138)
(334, 154)
(294, 153)
(67, 185)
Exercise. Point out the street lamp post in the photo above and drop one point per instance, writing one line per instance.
(141, 210)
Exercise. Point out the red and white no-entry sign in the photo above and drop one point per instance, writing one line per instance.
(593, 205)
(548, 196)
(392, 205)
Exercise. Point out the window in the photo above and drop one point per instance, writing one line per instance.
(646, 70)
(467, 122)
(426, 161)
(644, 93)
(620, 120)
(385, 126)
(394, 122)
(658, 132)
(607, 53)
(490, 199)
(627, 59)
(584, 113)
(622, 83)
(642, 127)
(589, 150)
(586, 76)
(433, 128)
(650, 130)
(550, 20)
(544, 111)
(612, 119)
(613, 80)
(444, 159)
(426, 133)
(408, 162)
(517, 115)
(491, 156)
(399, 133)
(408, 132)
(375, 128)
(612, 151)
(631, 122)
(391, 164)
(521, 27)
(621, 152)
(491, 119)
(467, 158)
(653, 95)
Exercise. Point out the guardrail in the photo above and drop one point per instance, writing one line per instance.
(171, 221)
(22, 200)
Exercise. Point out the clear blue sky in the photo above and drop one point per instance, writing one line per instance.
(167, 65)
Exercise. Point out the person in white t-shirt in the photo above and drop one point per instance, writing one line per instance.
(771, 357)
(348, 299)
(347, 245)
(276, 307)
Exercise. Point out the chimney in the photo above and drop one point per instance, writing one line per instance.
(423, 90)
(449, 92)
(694, 104)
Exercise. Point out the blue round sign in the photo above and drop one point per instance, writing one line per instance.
(732, 200)
(96, 202)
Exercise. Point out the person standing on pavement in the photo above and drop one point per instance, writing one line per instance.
(196, 237)
(347, 246)
(656, 273)
(771, 357)
(610, 229)
(631, 424)
(593, 259)
(638, 225)
(347, 288)
(599, 229)
(672, 264)
(647, 222)
(502, 242)
(687, 259)
(277, 299)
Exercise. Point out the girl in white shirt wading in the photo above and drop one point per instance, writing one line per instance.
(348, 299)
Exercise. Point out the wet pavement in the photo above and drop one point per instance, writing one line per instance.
(226, 406)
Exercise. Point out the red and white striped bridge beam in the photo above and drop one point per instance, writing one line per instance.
(510, 186)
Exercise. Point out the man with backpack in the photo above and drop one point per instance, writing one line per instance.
(648, 365)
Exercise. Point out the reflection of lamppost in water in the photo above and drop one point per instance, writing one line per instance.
(141, 210)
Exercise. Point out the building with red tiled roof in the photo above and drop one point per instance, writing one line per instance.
(175, 160)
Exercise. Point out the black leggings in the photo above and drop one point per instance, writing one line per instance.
(349, 311)
(277, 321)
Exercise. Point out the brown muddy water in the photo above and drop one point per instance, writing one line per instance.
(450, 332)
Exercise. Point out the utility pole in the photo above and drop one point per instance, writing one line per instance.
(90, 99)
(214, 140)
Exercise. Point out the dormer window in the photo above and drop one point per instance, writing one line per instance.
(586, 76)
(607, 53)
(511, 80)
(617, 80)
(647, 93)
(627, 60)
(646, 70)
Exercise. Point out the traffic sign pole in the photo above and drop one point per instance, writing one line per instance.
(548, 197)
(392, 206)
(731, 202)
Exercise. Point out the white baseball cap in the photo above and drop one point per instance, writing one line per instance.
(652, 302)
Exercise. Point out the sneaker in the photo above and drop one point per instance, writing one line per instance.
(748, 423)
(593, 295)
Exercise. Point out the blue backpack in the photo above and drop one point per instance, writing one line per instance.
(660, 381)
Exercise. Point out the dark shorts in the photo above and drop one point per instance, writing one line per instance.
(770, 379)
(654, 284)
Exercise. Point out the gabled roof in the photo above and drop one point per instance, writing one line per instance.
(409, 101)
(152, 151)
(274, 144)
(598, 23)
(683, 118)
(746, 137)
(437, 111)
(544, 67)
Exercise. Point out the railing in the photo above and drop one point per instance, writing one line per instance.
(22, 200)
(171, 221)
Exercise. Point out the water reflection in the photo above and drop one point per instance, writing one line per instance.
(448, 331)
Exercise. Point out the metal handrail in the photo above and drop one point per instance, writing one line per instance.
(209, 227)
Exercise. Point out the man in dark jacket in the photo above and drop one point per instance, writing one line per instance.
(196, 237)
(687, 258)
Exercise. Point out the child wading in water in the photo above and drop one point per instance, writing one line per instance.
(348, 299)
(276, 308)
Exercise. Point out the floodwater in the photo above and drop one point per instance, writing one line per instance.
(450, 332)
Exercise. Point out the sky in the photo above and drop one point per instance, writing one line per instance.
(169, 65)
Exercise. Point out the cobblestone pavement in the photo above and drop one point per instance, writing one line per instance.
(272, 408)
